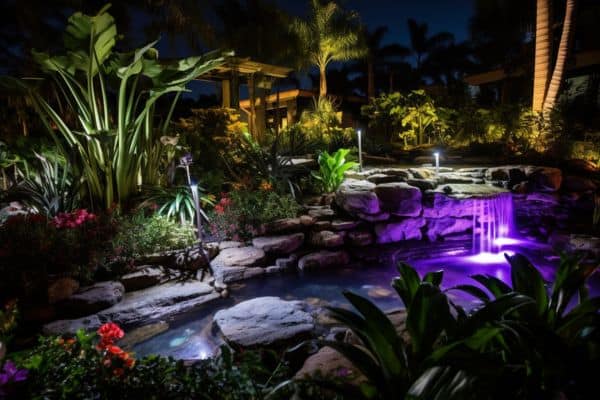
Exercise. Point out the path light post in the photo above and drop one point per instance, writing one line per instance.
(360, 163)
(437, 164)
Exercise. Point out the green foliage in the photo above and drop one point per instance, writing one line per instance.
(113, 142)
(240, 214)
(8, 323)
(322, 125)
(75, 369)
(522, 342)
(420, 116)
(139, 235)
(175, 202)
(332, 168)
(49, 188)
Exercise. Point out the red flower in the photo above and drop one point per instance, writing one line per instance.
(114, 350)
(110, 332)
(118, 372)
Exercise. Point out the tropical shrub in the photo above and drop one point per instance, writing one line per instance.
(239, 215)
(48, 188)
(323, 125)
(175, 202)
(138, 235)
(332, 168)
(113, 142)
(522, 342)
(8, 322)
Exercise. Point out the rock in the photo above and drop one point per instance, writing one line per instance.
(212, 249)
(338, 225)
(355, 184)
(284, 244)
(264, 321)
(584, 243)
(422, 173)
(91, 299)
(545, 179)
(274, 269)
(374, 218)
(284, 225)
(399, 199)
(467, 190)
(407, 229)
(327, 362)
(158, 302)
(144, 277)
(307, 220)
(573, 183)
(71, 326)
(236, 273)
(141, 334)
(323, 259)
(358, 201)
(326, 239)
(240, 257)
(441, 227)
(61, 289)
(289, 262)
(379, 292)
(423, 184)
(400, 173)
(544, 198)
(321, 225)
(382, 178)
(229, 244)
(438, 205)
(320, 212)
(359, 238)
(520, 188)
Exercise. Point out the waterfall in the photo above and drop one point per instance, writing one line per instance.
(493, 221)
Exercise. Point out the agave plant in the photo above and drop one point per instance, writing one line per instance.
(176, 202)
(114, 142)
(49, 190)
(332, 168)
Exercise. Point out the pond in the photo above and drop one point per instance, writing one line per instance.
(193, 336)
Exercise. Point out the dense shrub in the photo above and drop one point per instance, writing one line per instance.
(239, 215)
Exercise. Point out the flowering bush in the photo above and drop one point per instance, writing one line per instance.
(239, 215)
(73, 219)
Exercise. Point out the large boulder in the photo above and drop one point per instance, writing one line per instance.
(71, 326)
(358, 201)
(399, 198)
(440, 227)
(248, 256)
(327, 362)
(407, 229)
(145, 276)
(327, 239)
(284, 244)
(574, 183)
(264, 321)
(359, 238)
(91, 299)
(438, 205)
(323, 259)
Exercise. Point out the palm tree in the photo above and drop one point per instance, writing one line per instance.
(421, 44)
(329, 34)
(561, 57)
(378, 54)
(541, 72)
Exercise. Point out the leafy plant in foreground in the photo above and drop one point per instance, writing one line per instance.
(175, 202)
(332, 168)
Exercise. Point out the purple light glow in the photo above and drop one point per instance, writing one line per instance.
(489, 258)
(493, 223)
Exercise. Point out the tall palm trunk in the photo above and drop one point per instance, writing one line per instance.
(370, 78)
(561, 57)
(322, 81)
(541, 72)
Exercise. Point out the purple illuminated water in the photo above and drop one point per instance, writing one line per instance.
(493, 222)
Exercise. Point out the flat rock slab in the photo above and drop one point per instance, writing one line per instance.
(327, 239)
(399, 198)
(264, 321)
(323, 259)
(145, 276)
(407, 229)
(466, 190)
(91, 299)
(141, 306)
(248, 256)
(284, 244)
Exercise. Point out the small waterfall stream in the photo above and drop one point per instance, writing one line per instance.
(493, 221)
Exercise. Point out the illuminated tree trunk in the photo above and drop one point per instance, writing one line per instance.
(322, 81)
(561, 57)
(541, 72)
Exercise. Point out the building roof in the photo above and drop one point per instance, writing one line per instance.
(244, 66)
(581, 60)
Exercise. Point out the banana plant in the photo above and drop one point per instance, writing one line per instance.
(114, 140)
(332, 168)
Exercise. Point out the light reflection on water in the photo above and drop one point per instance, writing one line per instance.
(193, 335)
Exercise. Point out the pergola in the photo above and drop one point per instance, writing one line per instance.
(258, 77)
